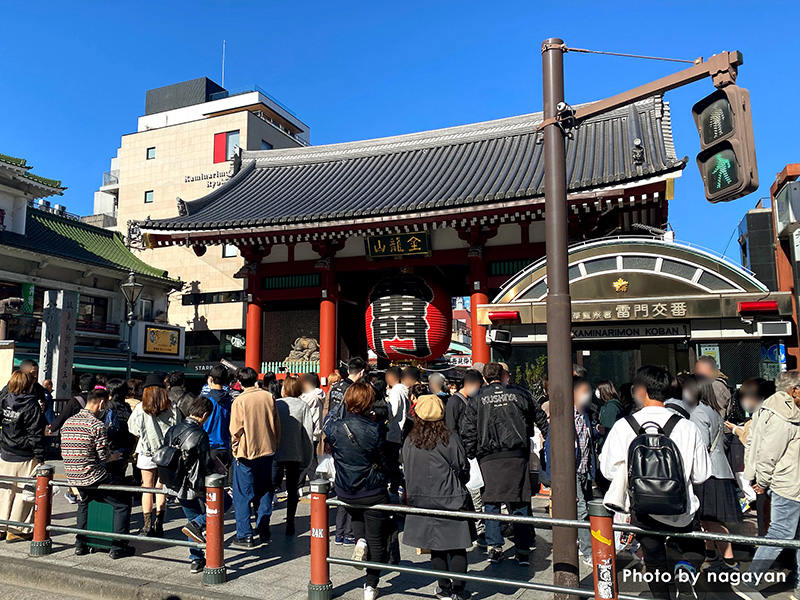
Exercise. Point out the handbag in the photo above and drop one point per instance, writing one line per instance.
(168, 460)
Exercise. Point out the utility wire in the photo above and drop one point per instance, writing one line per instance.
(585, 51)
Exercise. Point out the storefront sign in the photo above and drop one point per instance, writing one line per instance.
(213, 179)
(633, 331)
(460, 360)
(622, 311)
(28, 291)
(161, 340)
(711, 350)
(416, 243)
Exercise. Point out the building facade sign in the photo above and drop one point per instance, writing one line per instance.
(632, 331)
(213, 179)
(635, 311)
(162, 340)
(399, 245)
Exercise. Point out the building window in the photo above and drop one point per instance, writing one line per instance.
(265, 145)
(224, 145)
(146, 310)
(92, 311)
(148, 196)
(151, 153)
(229, 251)
(212, 298)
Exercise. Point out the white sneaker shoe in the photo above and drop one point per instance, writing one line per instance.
(360, 553)
(370, 593)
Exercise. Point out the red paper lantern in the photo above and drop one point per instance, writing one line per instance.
(408, 318)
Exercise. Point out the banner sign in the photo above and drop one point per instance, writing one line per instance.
(399, 245)
(162, 340)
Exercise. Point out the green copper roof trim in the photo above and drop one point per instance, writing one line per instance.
(55, 235)
(22, 163)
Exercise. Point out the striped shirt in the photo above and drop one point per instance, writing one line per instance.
(84, 448)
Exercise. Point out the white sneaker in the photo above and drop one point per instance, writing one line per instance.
(370, 593)
(360, 553)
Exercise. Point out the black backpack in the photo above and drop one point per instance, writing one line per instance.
(656, 482)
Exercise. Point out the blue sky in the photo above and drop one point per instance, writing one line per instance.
(74, 75)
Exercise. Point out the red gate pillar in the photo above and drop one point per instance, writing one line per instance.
(254, 335)
(327, 323)
(477, 270)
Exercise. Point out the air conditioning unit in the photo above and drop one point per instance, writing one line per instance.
(499, 338)
(787, 209)
(775, 328)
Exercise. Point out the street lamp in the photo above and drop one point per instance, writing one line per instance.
(131, 290)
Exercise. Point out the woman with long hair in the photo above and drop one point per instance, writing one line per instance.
(719, 495)
(21, 449)
(363, 474)
(436, 473)
(150, 421)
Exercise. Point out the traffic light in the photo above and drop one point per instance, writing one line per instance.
(727, 159)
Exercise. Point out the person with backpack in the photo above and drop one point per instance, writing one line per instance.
(150, 421)
(664, 456)
(217, 426)
(496, 428)
(116, 420)
(719, 495)
(436, 471)
(771, 465)
(356, 369)
(185, 462)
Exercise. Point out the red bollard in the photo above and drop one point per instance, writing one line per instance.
(320, 586)
(42, 545)
(214, 571)
(604, 554)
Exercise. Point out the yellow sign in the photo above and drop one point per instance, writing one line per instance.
(600, 538)
(159, 340)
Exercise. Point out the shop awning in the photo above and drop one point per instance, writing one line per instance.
(116, 366)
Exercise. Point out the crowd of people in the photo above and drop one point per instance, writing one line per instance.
(479, 444)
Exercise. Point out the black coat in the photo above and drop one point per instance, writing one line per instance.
(22, 434)
(363, 465)
(437, 479)
(196, 462)
(498, 423)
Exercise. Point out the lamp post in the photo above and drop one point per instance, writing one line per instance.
(131, 290)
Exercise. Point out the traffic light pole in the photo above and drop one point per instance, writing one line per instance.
(557, 117)
(559, 321)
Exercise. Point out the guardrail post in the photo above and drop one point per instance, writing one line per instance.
(42, 545)
(320, 586)
(214, 571)
(604, 552)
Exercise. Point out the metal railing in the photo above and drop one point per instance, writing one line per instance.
(111, 177)
(41, 544)
(601, 525)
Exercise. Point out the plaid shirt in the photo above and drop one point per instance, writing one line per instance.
(583, 441)
(84, 449)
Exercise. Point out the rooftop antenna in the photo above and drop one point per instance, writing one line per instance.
(223, 63)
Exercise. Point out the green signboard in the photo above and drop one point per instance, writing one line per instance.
(28, 290)
(399, 245)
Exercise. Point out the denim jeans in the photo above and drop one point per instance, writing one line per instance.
(252, 486)
(522, 532)
(195, 511)
(784, 520)
(583, 486)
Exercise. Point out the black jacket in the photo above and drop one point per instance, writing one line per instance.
(539, 416)
(71, 408)
(363, 465)
(192, 440)
(180, 397)
(22, 434)
(497, 423)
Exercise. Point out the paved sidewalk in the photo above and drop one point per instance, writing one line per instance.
(277, 571)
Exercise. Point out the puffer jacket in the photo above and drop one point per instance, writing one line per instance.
(770, 458)
(497, 423)
(363, 467)
(196, 462)
(22, 435)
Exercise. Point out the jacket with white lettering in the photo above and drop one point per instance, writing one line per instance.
(497, 423)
